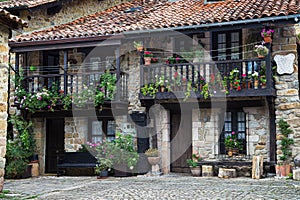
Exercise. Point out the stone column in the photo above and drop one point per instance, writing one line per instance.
(163, 139)
(287, 102)
(4, 32)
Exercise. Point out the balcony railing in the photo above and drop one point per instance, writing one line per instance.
(70, 82)
(236, 78)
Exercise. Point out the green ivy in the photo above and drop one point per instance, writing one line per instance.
(285, 141)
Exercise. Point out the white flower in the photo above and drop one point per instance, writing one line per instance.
(131, 167)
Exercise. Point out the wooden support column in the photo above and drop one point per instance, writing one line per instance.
(65, 72)
(118, 73)
(269, 67)
(17, 65)
(272, 125)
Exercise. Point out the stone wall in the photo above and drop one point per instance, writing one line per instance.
(205, 132)
(76, 130)
(39, 131)
(207, 126)
(287, 103)
(4, 34)
(71, 10)
(257, 132)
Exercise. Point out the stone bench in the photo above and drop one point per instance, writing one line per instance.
(231, 164)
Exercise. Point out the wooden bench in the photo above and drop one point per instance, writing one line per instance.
(74, 160)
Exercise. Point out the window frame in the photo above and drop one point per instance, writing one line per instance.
(105, 134)
(228, 44)
(234, 127)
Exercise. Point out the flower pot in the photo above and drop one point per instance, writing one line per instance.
(263, 85)
(283, 170)
(147, 60)
(287, 169)
(249, 84)
(230, 153)
(277, 169)
(267, 39)
(260, 56)
(153, 160)
(256, 84)
(103, 174)
(196, 171)
(140, 48)
(162, 88)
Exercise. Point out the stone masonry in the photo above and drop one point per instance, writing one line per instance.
(71, 10)
(287, 85)
(4, 34)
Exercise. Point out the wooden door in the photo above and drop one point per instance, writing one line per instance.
(181, 142)
(55, 135)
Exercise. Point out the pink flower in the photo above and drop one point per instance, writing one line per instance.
(233, 133)
(175, 74)
(244, 75)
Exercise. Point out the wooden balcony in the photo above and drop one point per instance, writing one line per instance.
(234, 78)
(74, 82)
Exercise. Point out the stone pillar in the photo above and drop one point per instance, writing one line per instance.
(163, 139)
(287, 84)
(39, 128)
(4, 32)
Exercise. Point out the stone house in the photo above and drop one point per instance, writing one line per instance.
(8, 22)
(209, 94)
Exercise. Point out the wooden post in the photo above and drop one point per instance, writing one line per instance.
(118, 73)
(257, 167)
(65, 72)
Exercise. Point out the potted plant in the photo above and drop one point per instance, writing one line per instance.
(234, 79)
(194, 165)
(138, 45)
(267, 34)
(285, 143)
(255, 77)
(104, 165)
(147, 57)
(152, 155)
(261, 51)
(149, 89)
(232, 144)
(161, 83)
(263, 81)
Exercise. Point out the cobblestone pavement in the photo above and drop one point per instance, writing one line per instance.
(172, 186)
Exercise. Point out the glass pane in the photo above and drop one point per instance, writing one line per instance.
(228, 127)
(97, 128)
(96, 139)
(221, 38)
(241, 116)
(234, 37)
(228, 116)
(111, 128)
(241, 126)
(241, 136)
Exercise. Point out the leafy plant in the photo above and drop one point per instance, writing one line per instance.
(261, 50)
(193, 162)
(19, 148)
(151, 152)
(149, 89)
(285, 141)
(232, 142)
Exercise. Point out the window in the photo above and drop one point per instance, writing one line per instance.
(227, 45)
(102, 129)
(234, 121)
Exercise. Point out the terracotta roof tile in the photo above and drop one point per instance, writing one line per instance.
(163, 14)
(24, 3)
(8, 16)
